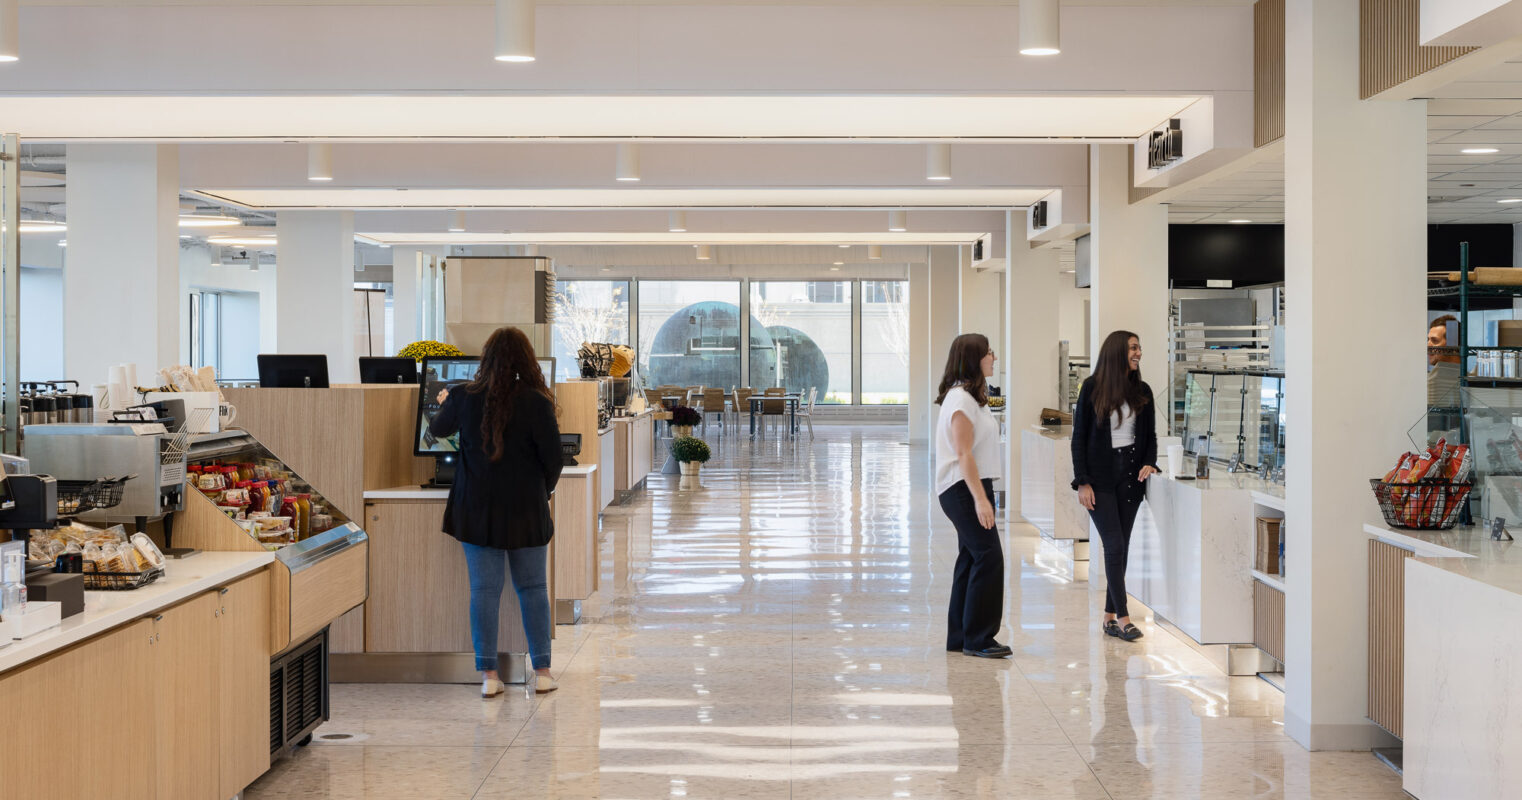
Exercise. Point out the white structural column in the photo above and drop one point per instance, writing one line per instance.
(946, 264)
(919, 352)
(1130, 266)
(407, 277)
(122, 282)
(1355, 252)
(1029, 348)
(980, 301)
(315, 288)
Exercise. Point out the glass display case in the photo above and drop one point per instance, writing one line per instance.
(1240, 414)
(1493, 417)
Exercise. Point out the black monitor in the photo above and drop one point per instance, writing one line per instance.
(383, 369)
(293, 372)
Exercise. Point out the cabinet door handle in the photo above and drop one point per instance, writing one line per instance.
(158, 618)
(222, 590)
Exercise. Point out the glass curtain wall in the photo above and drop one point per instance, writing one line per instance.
(689, 333)
(884, 342)
(808, 324)
(587, 311)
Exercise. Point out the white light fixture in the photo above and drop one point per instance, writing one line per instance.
(676, 221)
(840, 263)
(63, 243)
(845, 246)
(1239, 221)
(41, 226)
(1480, 151)
(1040, 27)
(874, 252)
(243, 241)
(515, 31)
(898, 221)
(705, 252)
(457, 222)
(1510, 200)
(937, 162)
(627, 168)
(834, 269)
(319, 162)
(208, 221)
(10, 37)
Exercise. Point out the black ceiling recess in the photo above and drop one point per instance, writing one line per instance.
(1246, 255)
(1489, 246)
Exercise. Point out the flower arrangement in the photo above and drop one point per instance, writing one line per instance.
(428, 347)
(686, 416)
(690, 449)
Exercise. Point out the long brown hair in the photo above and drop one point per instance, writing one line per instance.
(964, 365)
(1114, 382)
(508, 367)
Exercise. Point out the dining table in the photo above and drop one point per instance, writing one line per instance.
(792, 407)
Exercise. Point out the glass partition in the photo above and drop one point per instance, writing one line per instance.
(1241, 413)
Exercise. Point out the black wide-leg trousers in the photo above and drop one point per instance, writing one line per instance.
(977, 588)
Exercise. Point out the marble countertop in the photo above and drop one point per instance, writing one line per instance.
(413, 492)
(183, 578)
(578, 471)
(1465, 551)
(1058, 434)
(1241, 481)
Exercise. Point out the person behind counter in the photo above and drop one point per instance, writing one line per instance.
(1443, 377)
(499, 504)
(1114, 452)
(967, 438)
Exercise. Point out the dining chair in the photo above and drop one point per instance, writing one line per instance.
(773, 407)
(741, 403)
(776, 391)
(806, 412)
(713, 405)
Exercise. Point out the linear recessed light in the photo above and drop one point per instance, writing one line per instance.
(834, 269)
(1239, 221)
(840, 263)
(1480, 151)
(208, 221)
(41, 226)
(244, 241)
(1510, 200)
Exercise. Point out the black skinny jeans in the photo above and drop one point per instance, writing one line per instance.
(977, 584)
(1114, 514)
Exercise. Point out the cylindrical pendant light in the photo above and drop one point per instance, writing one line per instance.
(319, 162)
(10, 37)
(676, 221)
(938, 162)
(457, 221)
(874, 252)
(705, 252)
(1040, 28)
(515, 30)
(898, 221)
(628, 162)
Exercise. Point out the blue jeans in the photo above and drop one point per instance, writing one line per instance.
(487, 579)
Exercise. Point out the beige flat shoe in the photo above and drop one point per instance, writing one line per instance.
(544, 683)
(491, 687)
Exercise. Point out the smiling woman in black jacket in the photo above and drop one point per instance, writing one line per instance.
(499, 505)
(1114, 452)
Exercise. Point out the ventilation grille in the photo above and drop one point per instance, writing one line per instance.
(298, 693)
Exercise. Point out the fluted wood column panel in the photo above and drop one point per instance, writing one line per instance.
(1387, 636)
(1268, 71)
(1389, 49)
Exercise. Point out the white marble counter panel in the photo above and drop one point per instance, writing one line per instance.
(183, 578)
(1191, 556)
(1047, 499)
(1462, 705)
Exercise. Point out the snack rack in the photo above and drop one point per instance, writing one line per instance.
(77, 497)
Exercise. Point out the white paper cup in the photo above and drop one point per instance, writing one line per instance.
(1175, 459)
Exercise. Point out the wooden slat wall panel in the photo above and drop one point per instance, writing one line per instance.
(1268, 71)
(1389, 53)
(1387, 636)
(1268, 619)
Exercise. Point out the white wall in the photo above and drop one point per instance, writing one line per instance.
(42, 324)
(197, 274)
(1072, 315)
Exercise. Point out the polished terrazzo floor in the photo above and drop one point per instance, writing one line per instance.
(779, 633)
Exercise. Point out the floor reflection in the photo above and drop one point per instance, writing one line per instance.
(774, 628)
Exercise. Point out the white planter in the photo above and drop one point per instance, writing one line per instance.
(690, 467)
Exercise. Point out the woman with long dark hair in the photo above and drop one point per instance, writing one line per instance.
(967, 440)
(499, 504)
(1114, 452)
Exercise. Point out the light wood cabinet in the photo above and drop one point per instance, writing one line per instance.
(575, 542)
(186, 657)
(56, 707)
(244, 681)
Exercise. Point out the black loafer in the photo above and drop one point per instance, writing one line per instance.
(1130, 633)
(996, 651)
(1112, 628)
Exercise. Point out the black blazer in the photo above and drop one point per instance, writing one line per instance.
(1092, 461)
(505, 504)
